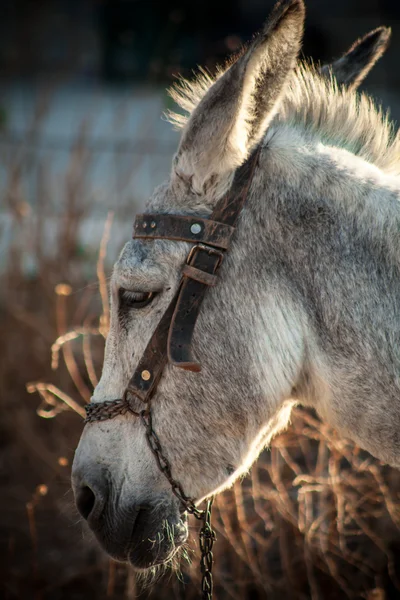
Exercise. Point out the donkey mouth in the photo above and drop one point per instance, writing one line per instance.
(145, 540)
(152, 544)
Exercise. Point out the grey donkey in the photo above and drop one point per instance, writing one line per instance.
(307, 308)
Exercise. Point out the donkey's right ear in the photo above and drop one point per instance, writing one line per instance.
(354, 66)
(234, 113)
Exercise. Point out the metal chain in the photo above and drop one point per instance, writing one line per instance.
(206, 535)
(207, 538)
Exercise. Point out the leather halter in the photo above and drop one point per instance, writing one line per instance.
(171, 340)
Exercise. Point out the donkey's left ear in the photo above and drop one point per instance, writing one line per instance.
(354, 66)
(233, 114)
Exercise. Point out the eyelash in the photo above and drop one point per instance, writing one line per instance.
(134, 300)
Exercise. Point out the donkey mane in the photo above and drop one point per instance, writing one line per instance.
(338, 116)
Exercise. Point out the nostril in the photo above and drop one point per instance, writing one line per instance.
(85, 501)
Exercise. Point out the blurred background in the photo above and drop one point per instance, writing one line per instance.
(94, 73)
(82, 144)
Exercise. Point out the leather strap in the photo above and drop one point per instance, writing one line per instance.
(199, 275)
(230, 206)
(183, 228)
(187, 308)
(192, 291)
(148, 372)
(172, 337)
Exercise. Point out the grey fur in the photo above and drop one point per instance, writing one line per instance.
(353, 67)
(308, 304)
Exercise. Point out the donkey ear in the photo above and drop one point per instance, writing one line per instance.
(233, 114)
(354, 66)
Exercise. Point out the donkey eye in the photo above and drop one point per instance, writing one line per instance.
(128, 299)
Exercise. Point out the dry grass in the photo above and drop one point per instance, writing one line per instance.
(316, 518)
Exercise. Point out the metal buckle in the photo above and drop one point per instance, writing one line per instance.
(208, 249)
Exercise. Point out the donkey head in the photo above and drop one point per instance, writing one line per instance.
(211, 424)
(202, 419)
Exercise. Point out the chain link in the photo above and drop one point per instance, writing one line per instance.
(206, 535)
(207, 538)
(165, 467)
(102, 411)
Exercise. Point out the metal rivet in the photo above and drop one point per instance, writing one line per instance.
(146, 375)
(195, 228)
(153, 224)
(144, 225)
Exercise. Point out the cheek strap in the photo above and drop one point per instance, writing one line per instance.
(172, 338)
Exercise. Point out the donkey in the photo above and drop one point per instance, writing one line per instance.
(307, 308)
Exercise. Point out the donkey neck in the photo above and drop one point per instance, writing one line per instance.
(326, 225)
(315, 186)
